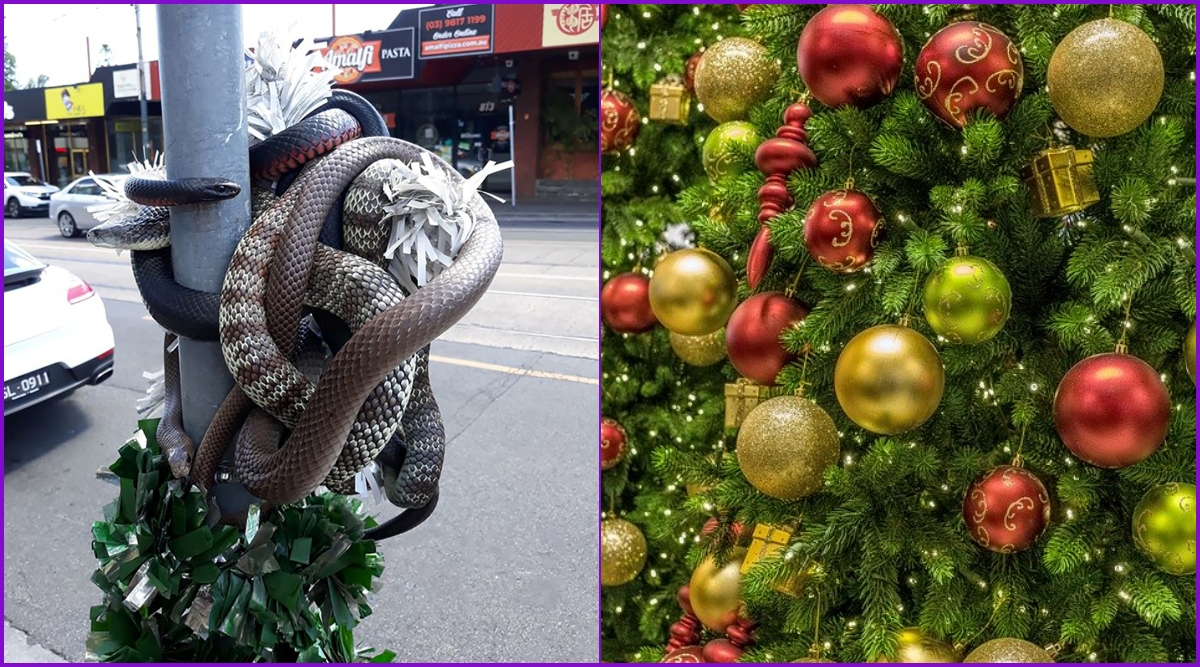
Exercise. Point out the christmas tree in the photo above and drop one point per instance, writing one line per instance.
(915, 381)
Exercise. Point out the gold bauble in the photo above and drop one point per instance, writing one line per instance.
(716, 592)
(1164, 527)
(622, 552)
(889, 379)
(916, 646)
(1009, 650)
(693, 291)
(785, 445)
(1189, 352)
(733, 76)
(703, 350)
(1105, 78)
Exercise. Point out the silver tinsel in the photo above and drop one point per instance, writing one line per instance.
(284, 85)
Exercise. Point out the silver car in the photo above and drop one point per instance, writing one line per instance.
(69, 208)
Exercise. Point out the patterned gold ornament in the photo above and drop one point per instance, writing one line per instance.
(669, 101)
(1189, 352)
(889, 379)
(741, 398)
(716, 592)
(622, 552)
(1009, 650)
(785, 445)
(967, 300)
(722, 146)
(916, 646)
(1105, 78)
(704, 350)
(733, 76)
(1164, 527)
(693, 291)
(1060, 182)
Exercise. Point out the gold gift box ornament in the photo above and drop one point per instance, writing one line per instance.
(768, 541)
(740, 398)
(1060, 182)
(669, 101)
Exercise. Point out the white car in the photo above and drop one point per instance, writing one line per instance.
(25, 194)
(56, 332)
(69, 208)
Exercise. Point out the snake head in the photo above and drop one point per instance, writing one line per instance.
(224, 189)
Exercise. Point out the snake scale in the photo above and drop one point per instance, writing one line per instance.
(296, 429)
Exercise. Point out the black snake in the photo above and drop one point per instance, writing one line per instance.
(373, 400)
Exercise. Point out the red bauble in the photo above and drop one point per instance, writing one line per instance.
(752, 335)
(742, 8)
(1006, 509)
(612, 443)
(968, 66)
(689, 73)
(619, 122)
(848, 54)
(625, 303)
(737, 528)
(842, 229)
(1112, 410)
(685, 654)
(721, 650)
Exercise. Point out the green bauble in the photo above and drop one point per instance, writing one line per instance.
(1164, 527)
(723, 142)
(967, 300)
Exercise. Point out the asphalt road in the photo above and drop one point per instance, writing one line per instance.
(505, 569)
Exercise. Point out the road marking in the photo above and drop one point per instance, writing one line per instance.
(65, 247)
(512, 370)
(546, 276)
(545, 296)
(525, 333)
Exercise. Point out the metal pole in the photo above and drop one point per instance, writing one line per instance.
(137, 17)
(88, 40)
(512, 155)
(204, 127)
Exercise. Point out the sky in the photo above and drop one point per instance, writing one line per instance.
(53, 39)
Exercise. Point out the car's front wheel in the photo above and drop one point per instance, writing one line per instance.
(67, 226)
(12, 208)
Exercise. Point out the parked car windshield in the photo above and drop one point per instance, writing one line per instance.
(16, 259)
(22, 179)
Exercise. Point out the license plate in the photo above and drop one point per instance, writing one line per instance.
(19, 388)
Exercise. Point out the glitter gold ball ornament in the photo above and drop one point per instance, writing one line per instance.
(1164, 527)
(625, 303)
(841, 230)
(688, 654)
(1112, 410)
(733, 76)
(889, 379)
(967, 300)
(966, 66)
(1009, 650)
(703, 350)
(752, 335)
(916, 646)
(722, 146)
(1006, 509)
(619, 122)
(849, 54)
(716, 592)
(622, 552)
(612, 443)
(1105, 78)
(785, 445)
(1189, 352)
(693, 291)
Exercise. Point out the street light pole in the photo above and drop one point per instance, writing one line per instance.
(204, 125)
(137, 17)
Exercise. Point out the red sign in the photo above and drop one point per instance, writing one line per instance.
(354, 56)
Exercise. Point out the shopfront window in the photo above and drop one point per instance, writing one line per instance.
(125, 141)
(16, 152)
(570, 113)
(70, 152)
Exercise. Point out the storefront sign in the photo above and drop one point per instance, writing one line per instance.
(83, 101)
(456, 30)
(24, 105)
(125, 83)
(564, 25)
(377, 56)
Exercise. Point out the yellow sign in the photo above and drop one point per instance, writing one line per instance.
(565, 25)
(84, 101)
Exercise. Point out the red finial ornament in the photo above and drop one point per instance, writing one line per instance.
(777, 157)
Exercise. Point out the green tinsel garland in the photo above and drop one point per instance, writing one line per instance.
(180, 587)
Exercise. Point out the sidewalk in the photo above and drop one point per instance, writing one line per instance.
(566, 213)
(18, 649)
